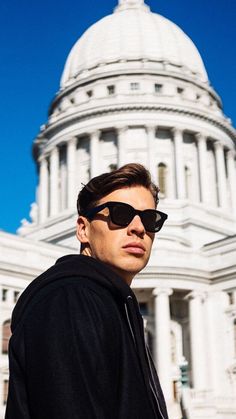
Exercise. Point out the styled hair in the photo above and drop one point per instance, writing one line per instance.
(132, 174)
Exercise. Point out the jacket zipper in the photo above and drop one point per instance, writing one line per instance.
(153, 391)
(130, 327)
(150, 369)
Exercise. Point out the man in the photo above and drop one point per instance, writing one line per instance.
(77, 349)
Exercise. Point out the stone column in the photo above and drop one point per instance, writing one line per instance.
(151, 130)
(54, 181)
(43, 190)
(121, 146)
(179, 163)
(71, 167)
(221, 174)
(163, 340)
(215, 320)
(202, 157)
(94, 153)
(197, 340)
(232, 177)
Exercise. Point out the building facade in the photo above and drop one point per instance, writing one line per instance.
(134, 89)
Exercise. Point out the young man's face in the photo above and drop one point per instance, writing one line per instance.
(125, 249)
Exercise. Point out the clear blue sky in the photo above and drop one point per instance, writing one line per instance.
(36, 37)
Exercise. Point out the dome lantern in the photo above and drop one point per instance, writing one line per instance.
(131, 4)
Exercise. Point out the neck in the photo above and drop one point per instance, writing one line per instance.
(126, 276)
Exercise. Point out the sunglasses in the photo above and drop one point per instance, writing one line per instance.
(122, 214)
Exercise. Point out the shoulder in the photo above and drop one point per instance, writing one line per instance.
(73, 299)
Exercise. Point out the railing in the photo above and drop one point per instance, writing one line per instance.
(200, 396)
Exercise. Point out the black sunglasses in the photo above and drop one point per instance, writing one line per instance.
(122, 214)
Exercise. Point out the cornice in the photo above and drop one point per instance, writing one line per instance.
(66, 121)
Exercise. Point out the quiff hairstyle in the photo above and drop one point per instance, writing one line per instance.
(131, 174)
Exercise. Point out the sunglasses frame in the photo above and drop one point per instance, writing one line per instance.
(90, 213)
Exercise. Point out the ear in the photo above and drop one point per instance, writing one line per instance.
(82, 230)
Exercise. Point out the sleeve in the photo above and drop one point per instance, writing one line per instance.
(72, 356)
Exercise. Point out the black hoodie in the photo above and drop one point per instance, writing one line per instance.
(77, 350)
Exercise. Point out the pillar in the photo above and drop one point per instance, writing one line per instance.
(94, 153)
(215, 313)
(43, 190)
(54, 181)
(197, 340)
(121, 146)
(71, 167)
(163, 341)
(151, 131)
(202, 158)
(232, 177)
(179, 163)
(221, 174)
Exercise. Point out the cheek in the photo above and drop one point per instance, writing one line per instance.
(149, 241)
(100, 240)
(108, 243)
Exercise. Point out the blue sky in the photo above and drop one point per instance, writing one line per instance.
(36, 37)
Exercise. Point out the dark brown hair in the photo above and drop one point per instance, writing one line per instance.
(131, 174)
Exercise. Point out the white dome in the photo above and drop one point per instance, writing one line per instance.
(131, 33)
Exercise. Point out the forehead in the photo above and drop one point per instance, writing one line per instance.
(137, 196)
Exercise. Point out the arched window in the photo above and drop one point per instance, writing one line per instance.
(6, 334)
(162, 179)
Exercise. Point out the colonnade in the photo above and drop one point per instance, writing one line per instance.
(199, 327)
(223, 167)
(49, 188)
(49, 180)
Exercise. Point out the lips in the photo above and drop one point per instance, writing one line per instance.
(135, 248)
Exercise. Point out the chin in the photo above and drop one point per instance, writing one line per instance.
(135, 266)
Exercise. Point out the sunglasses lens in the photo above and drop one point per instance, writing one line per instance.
(151, 219)
(121, 214)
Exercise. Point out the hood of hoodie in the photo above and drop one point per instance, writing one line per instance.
(70, 266)
(80, 266)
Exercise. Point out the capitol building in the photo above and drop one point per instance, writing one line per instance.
(135, 89)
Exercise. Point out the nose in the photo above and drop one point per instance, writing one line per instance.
(136, 226)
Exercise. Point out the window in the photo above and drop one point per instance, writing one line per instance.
(111, 89)
(6, 334)
(134, 86)
(112, 167)
(5, 391)
(89, 93)
(16, 295)
(158, 88)
(180, 90)
(63, 176)
(143, 307)
(4, 294)
(162, 169)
